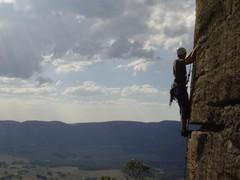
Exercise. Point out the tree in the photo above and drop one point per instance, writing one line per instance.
(136, 169)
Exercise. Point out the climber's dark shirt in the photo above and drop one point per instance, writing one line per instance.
(180, 72)
(179, 88)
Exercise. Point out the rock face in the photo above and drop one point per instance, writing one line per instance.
(214, 151)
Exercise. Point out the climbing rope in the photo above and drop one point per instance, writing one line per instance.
(186, 155)
(189, 74)
(185, 170)
(187, 139)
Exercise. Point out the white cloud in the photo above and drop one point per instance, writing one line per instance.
(59, 83)
(128, 48)
(18, 87)
(86, 88)
(80, 18)
(140, 65)
(63, 66)
(112, 94)
(78, 35)
(90, 88)
(70, 62)
(173, 24)
(8, 1)
(43, 81)
(26, 90)
(56, 26)
(139, 90)
(7, 79)
(78, 112)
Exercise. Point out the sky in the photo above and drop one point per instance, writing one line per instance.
(91, 60)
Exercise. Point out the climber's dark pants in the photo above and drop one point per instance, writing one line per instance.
(184, 105)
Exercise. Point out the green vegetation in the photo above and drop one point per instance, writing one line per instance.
(137, 169)
(107, 178)
(12, 168)
(3, 164)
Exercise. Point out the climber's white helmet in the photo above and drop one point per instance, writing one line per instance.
(181, 51)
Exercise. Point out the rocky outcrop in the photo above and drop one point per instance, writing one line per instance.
(214, 151)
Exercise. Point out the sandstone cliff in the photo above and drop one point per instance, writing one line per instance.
(214, 151)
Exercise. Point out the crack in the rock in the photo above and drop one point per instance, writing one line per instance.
(212, 127)
(209, 127)
(225, 103)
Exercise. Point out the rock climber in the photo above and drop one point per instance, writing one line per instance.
(179, 88)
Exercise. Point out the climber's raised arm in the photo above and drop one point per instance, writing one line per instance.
(192, 56)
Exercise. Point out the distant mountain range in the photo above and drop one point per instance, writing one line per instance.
(94, 145)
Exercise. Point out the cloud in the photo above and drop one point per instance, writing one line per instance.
(124, 48)
(86, 88)
(17, 59)
(44, 81)
(63, 66)
(86, 92)
(89, 38)
(90, 88)
(18, 87)
(59, 83)
(26, 90)
(7, 80)
(30, 29)
(139, 90)
(139, 65)
(7, 1)
(90, 8)
(70, 62)
(179, 30)
(174, 23)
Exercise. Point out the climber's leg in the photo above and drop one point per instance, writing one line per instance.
(184, 131)
(184, 105)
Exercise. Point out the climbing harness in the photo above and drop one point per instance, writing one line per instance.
(174, 86)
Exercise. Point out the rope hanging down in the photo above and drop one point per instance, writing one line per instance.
(186, 157)
(189, 74)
